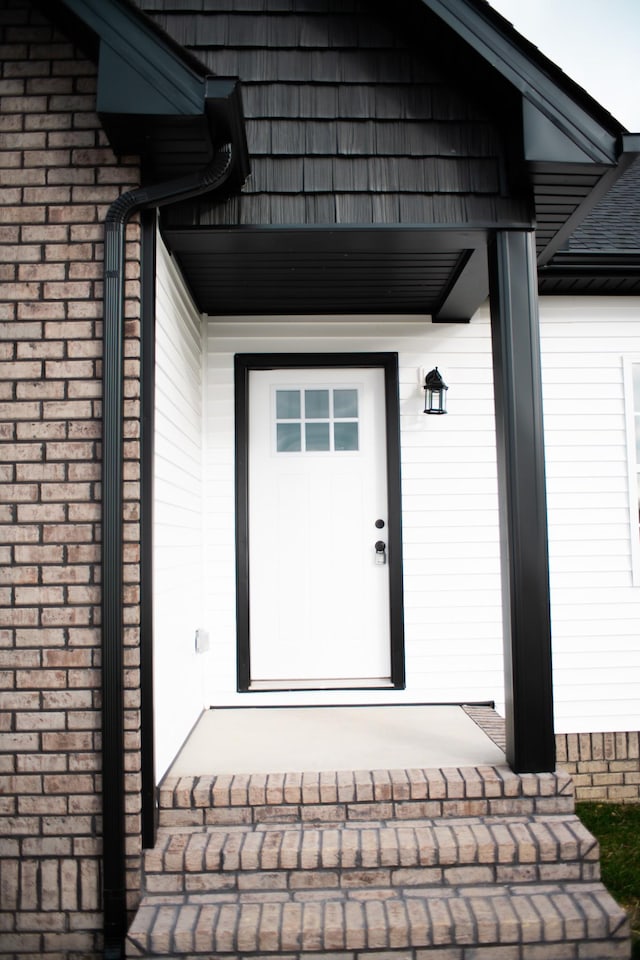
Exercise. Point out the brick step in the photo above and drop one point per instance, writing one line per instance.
(338, 797)
(373, 855)
(453, 864)
(535, 922)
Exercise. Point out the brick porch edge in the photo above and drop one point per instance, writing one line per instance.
(603, 766)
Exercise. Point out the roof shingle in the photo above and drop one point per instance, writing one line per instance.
(613, 226)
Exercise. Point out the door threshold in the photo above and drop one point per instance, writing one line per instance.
(364, 683)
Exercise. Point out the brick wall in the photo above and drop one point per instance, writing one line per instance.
(58, 177)
(604, 766)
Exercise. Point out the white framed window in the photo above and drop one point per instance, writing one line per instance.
(631, 367)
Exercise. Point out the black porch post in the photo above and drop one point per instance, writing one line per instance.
(523, 509)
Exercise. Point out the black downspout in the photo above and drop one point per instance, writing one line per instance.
(113, 774)
(149, 220)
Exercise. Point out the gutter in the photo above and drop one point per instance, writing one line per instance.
(582, 264)
(113, 773)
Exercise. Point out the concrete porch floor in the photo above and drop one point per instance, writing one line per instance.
(297, 739)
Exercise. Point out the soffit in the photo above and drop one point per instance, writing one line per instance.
(349, 271)
(603, 255)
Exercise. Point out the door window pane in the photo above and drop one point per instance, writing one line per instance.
(317, 436)
(316, 404)
(345, 404)
(345, 436)
(288, 404)
(288, 438)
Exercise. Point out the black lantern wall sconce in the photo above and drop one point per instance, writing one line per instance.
(435, 392)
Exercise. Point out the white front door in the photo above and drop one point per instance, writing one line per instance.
(317, 508)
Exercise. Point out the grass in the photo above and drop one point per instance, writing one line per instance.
(617, 829)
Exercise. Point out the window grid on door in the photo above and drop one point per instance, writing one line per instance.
(317, 419)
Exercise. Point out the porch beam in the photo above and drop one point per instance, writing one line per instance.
(467, 290)
(522, 500)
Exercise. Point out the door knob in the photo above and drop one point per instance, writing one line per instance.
(381, 552)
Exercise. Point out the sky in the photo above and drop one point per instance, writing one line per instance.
(595, 42)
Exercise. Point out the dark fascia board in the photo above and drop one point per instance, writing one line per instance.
(468, 289)
(281, 241)
(593, 263)
(138, 71)
(544, 142)
(145, 78)
(537, 81)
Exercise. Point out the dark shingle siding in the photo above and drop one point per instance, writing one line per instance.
(344, 122)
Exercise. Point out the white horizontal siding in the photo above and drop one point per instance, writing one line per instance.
(595, 606)
(450, 510)
(178, 539)
(451, 555)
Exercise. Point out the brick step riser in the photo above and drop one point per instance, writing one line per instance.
(212, 882)
(362, 795)
(598, 950)
(358, 812)
(587, 950)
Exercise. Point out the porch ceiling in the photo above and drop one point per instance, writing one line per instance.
(271, 271)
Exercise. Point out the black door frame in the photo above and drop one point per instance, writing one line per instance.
(243, 365)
